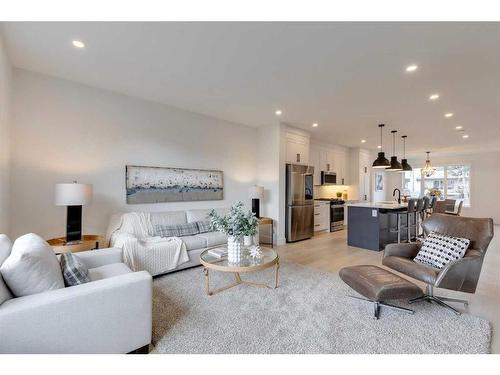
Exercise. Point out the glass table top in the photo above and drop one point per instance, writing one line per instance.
(268, 256)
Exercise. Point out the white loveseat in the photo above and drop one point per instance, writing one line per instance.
(110, 314)
(122, 226)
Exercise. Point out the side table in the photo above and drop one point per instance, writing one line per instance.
(88, 242)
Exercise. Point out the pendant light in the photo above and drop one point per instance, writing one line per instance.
(381, 161)
(395, 164)
(428, 170)
(404, 162)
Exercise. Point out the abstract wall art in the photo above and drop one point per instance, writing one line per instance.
(159, 184)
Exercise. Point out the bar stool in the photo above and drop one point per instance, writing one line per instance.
(430, 209)
(418, 210)
(411, 212)
(427, 203)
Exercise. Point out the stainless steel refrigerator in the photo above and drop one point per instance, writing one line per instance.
(299, 202)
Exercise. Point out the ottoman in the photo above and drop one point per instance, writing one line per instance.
(378, 285)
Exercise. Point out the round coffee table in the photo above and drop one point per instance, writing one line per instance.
(247, 264)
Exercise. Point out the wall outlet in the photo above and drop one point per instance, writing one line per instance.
(374, 213)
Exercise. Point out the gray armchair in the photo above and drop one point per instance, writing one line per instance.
(460, 275)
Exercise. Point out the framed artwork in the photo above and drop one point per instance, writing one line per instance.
(162, 184)
(379, 182)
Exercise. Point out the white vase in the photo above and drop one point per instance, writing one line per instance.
(248, 241)
(234, 249)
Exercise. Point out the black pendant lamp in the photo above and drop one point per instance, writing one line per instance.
(395, 164)
(404, 162)
(381, 162)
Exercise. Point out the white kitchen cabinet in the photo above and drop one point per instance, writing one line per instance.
(360, 174)
(297, 147)
(321, 216)
(330, 159)
(315, 161)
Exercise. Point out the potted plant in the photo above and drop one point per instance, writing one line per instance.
(236, 225)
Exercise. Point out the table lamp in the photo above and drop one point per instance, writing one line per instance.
(256, 193)
(74, 196)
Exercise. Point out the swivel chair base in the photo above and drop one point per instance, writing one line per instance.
(431, 298)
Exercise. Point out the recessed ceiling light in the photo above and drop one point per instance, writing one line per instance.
(434, 97)
(78, 44)
(379, 146)
(363, 141)
(465, 136)
(448, 115)
(315, 125)
(278, 112)
(411, 68)
(459, 127)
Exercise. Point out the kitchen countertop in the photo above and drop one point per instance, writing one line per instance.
(380, 205)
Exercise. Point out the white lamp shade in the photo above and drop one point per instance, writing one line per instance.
(256, 192)
(72, 194)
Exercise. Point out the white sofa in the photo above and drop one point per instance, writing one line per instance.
(110, 314)
(121, 225)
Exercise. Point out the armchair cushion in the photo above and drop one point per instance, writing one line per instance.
(32, 267)
(407, 266)
(75, 272)
(438, 250)
(107, 271)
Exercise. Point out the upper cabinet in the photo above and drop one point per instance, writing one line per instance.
(330, 159)
(297, 147)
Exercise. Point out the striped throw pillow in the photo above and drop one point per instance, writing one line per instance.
(74, 271)
(204, 226)
(179, 230)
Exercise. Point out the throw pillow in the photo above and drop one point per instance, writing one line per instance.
(179, 230)
(438, 250)
(5, 247)
(74, 271)
(32, 267)
(204, 226)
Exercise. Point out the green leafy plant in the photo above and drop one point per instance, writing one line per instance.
(237, 223)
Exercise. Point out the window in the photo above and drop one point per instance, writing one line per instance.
(453, 181)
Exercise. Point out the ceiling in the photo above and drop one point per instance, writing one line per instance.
(347, 77)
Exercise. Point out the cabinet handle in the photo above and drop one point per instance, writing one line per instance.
(317, 225)
(328, 167)
(317, 214)
(298, 158)
(342, 181)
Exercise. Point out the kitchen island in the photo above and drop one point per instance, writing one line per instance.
(373, 225)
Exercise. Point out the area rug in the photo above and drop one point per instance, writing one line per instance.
(308, 313)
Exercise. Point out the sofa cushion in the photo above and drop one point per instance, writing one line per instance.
(202, 215)
(213, 238)
(180, 230)
(32, 267)
(74, 271)
(5, 247)
(194, 242)
(107, 271)
(168, 218)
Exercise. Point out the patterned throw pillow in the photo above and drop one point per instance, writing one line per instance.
(204, 226)
(179, 230)
(438, 250)
(73, 270)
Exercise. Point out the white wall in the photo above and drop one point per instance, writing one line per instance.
(268, 165)
(485, 181)
(5, 104)
(64, 131)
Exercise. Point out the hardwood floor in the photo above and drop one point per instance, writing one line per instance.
(329, 252)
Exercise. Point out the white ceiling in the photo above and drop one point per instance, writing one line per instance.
(348, 77)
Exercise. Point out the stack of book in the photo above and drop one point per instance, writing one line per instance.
(219, 252)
